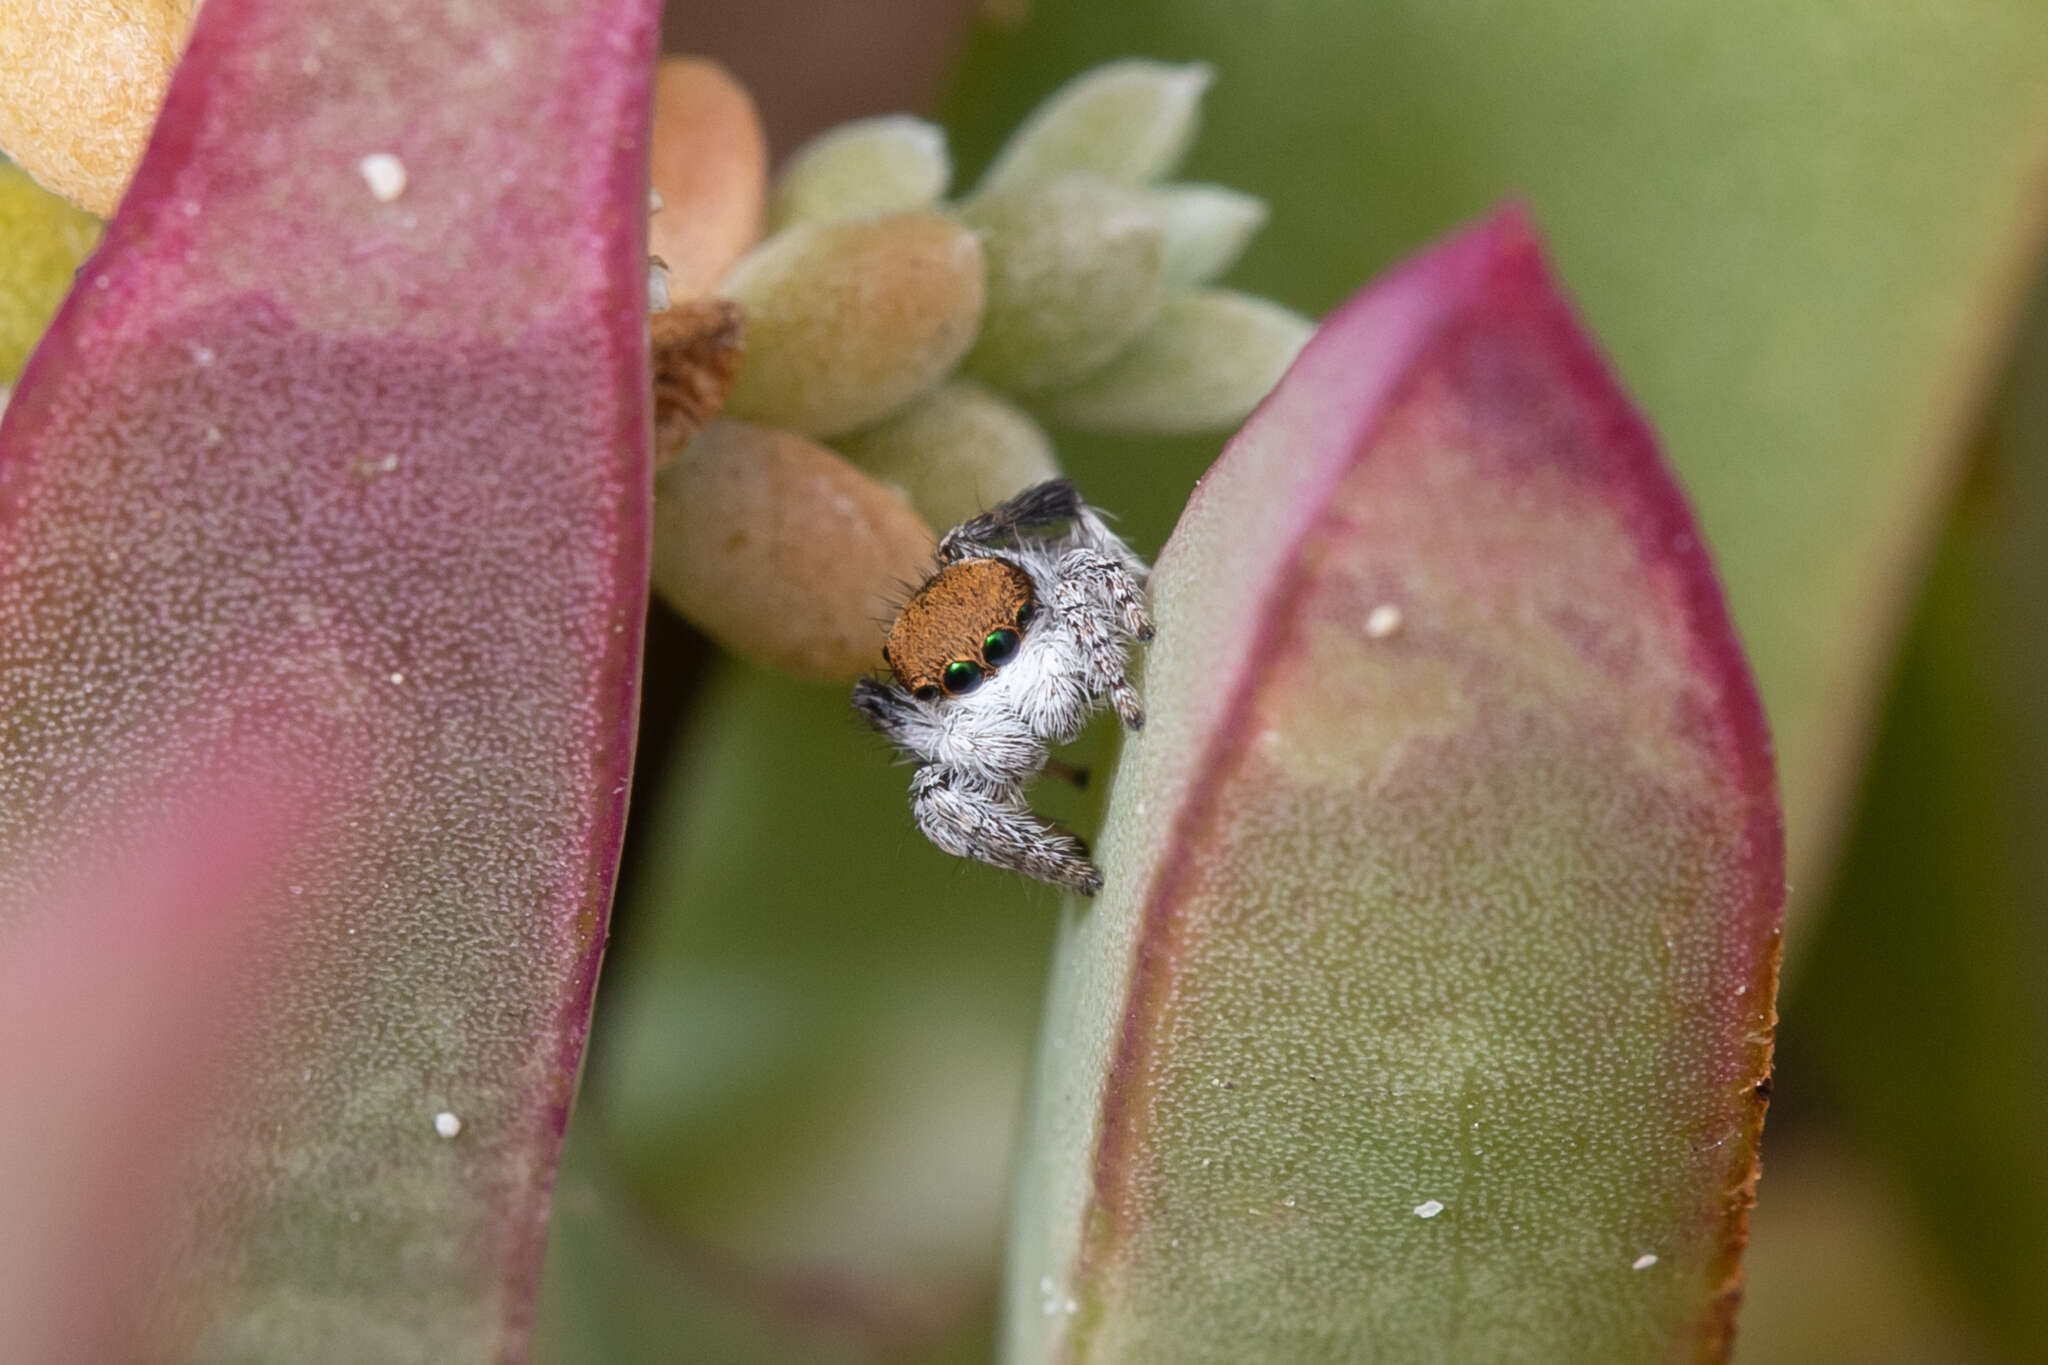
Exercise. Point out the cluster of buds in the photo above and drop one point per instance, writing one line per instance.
(884, 356)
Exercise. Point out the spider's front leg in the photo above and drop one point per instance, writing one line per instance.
(1105, 607)
(971, 818)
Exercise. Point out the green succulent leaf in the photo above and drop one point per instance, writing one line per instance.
(1129, 121)
(1203, 366)
(1076, 270)
(1921, 1001)
(959, 449)
(849, 320)
(1426, 1010)
(889, 164)
(1207, 229)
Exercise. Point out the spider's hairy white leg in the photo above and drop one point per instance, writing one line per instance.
(1102, 606)
(990, 822)
(1090, 532)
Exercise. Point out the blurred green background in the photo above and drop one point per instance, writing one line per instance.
(1807, 233)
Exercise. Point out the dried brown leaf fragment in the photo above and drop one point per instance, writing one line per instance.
(695, 348)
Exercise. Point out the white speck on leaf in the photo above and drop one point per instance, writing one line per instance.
(384, 174)
(1429, 1208)
(1382, 621)
(1644, 1261)
(448, 1125)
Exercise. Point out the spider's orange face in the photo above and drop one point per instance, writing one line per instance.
(962, 625)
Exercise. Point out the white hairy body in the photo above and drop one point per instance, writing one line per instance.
(976, 751)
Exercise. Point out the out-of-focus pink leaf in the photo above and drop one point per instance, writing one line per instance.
(348, 420)
(1426, 1012)
(118, 1006)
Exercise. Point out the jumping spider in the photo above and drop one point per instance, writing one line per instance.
(1009, 647)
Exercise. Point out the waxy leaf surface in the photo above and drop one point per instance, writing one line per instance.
(127, 991)
(1426, 1011)
(312, 441)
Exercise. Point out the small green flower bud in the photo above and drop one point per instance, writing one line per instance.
(1129, 121)
(1206, 363)
(848, 321)
(958, 450)
(871, 166)
(782, 551)
(1207, 229)
(1074, 275)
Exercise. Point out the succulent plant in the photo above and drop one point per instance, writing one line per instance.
(1429, 1007)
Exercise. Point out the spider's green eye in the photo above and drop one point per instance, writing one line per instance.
(1024, 615)
(962, 675)
(926, 693)
(1000, 645)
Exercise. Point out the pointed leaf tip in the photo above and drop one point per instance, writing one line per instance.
(1426, 1008)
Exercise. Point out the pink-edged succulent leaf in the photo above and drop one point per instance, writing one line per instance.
(307, 440)
(1427, 1011)
(121, 1005)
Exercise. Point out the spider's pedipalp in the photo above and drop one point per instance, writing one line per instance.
(895, 714)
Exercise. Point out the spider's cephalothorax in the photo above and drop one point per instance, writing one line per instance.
(1008, 648)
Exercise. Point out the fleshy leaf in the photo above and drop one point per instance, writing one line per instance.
(1075, 273)
(79, 87)
(1207, 229)
(782, 551)
(1922, 996)
(957, 450)
(872, 165)
(709, 168)
(1208, 360)
(1427, 1008)
(349, 416)
(42, 240)
(848, 321)
(127, 987)
(1129, 121)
